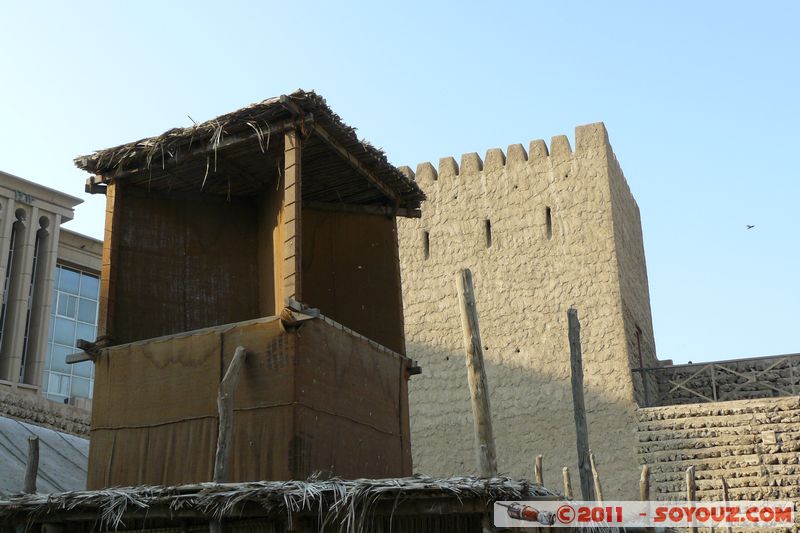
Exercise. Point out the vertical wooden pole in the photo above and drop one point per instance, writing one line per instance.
(476, 376)
(292, 215)
(32, 466)
(567, 483)
(691, 493)
(225, 405)
(644, 484)
(579, 409)
(598, 488)
(227, 387)
(478, 386)
(538, 474)
(644, 490)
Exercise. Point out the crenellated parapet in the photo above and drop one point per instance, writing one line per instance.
(591, 142)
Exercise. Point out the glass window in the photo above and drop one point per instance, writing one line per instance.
(52, 382)
(58, 360)
(63, 385)
(74, 316)
(69, 281)
(85, 332)
(90, 287)
(67, 305)
(64, 332)
(80, 387)
(87, 311)
(82, 369)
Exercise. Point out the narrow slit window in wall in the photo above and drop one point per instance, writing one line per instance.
(487, 227)
(426, 244)
(549, 222)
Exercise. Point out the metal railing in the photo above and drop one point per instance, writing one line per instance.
(718, 381)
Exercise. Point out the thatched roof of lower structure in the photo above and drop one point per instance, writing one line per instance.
(237, 154)
(344, 503)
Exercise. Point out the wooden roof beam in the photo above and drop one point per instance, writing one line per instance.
(363, 209)
(323, 134)
(355, 163)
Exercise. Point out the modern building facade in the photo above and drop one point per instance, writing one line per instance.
(49, 293)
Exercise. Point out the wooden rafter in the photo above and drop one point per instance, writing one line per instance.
(355, 163)
(365, 209)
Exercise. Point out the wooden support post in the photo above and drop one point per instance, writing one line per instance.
(110, 265)
(728, 529)
(538, 475)
(225, 435)
(32, 466)
(478, 386)
(691, 493)
(579, 409)
(567, 483)
(225, 405)
(598, 488)
(292, 215)
(476, 376)
(644, 490)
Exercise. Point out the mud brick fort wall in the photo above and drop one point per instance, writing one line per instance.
(542, 230)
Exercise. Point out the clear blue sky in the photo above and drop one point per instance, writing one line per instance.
(700, 99)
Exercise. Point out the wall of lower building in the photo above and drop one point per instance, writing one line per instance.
(27, 406)
(526, 277)
(753, 444)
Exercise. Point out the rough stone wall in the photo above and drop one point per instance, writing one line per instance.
(753, 444)
(40, 411)
(525, 280)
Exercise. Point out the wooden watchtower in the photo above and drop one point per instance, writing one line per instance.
(212, 232)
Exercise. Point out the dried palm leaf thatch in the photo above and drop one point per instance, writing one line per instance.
(201, 142)
(345, 504)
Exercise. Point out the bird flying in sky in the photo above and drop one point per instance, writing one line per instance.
(750, 226)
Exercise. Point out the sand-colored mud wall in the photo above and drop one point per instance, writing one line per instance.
(542, 230)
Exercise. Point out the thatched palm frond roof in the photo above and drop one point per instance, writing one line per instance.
(334, 500)
(200, 151)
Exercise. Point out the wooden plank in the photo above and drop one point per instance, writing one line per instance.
(292, 198)
(366, 209)
(78, 357)
(227, 387)
(476, 376)
(31, 466)
(578, 406)
(356, 164)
